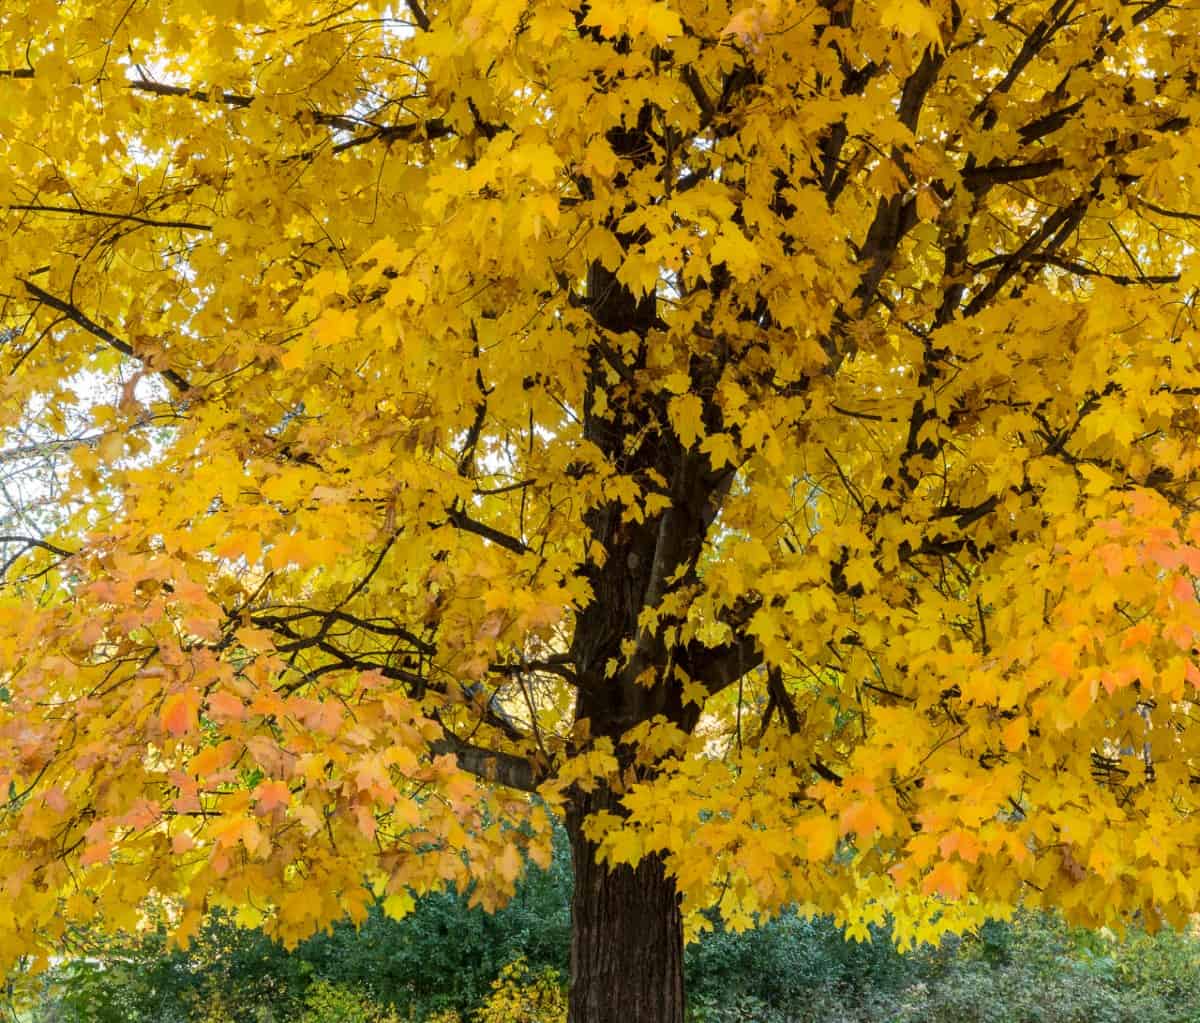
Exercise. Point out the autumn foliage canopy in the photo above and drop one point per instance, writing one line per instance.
(768, 432)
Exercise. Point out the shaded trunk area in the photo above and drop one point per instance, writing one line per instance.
(626, 938)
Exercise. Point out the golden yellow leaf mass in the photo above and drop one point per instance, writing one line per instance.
(767, 431)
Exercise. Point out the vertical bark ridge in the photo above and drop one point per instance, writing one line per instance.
(626, 936)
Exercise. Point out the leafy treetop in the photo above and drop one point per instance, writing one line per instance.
(779, 418)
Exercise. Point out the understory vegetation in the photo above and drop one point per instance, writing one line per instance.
(448, 963)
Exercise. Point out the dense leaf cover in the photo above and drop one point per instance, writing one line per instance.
(766, 430)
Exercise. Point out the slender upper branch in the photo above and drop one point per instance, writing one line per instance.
(77, 316)
(135, 218)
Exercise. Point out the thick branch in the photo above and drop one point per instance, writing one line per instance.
(1080, 269)
(559, 664)
(380, 627)
(980, 179)
(419, 15)
(460, 519)
(501, 768)
(720, 666)
(917, 87)
(32, 541)
(1035, 42)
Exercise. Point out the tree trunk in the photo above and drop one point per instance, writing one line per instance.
(626, 937)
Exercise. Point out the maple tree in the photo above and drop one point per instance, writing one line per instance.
(767, 431)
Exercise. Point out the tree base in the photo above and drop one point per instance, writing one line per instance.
(626, 939)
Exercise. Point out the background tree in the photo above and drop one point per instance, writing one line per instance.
(767, 431)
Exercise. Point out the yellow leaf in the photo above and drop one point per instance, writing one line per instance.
(913, 18)
(509, 863)
(399, 905)
(736, 251)
(661, 23)
(721, 449)
(334, 326)
(686, 412)
(256, 640)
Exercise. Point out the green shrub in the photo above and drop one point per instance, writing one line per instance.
(1034, 970)
(784, 960)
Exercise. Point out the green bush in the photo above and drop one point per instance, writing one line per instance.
(1051, 973)
(1034, 970)
(783, 960)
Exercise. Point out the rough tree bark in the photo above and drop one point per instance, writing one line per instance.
(626, 936)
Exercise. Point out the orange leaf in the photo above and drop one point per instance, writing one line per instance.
(1062, 658)
(948, 880)
(224, 705)
(270, 794)
(180, 713)
(865, 817)
(962, 842)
